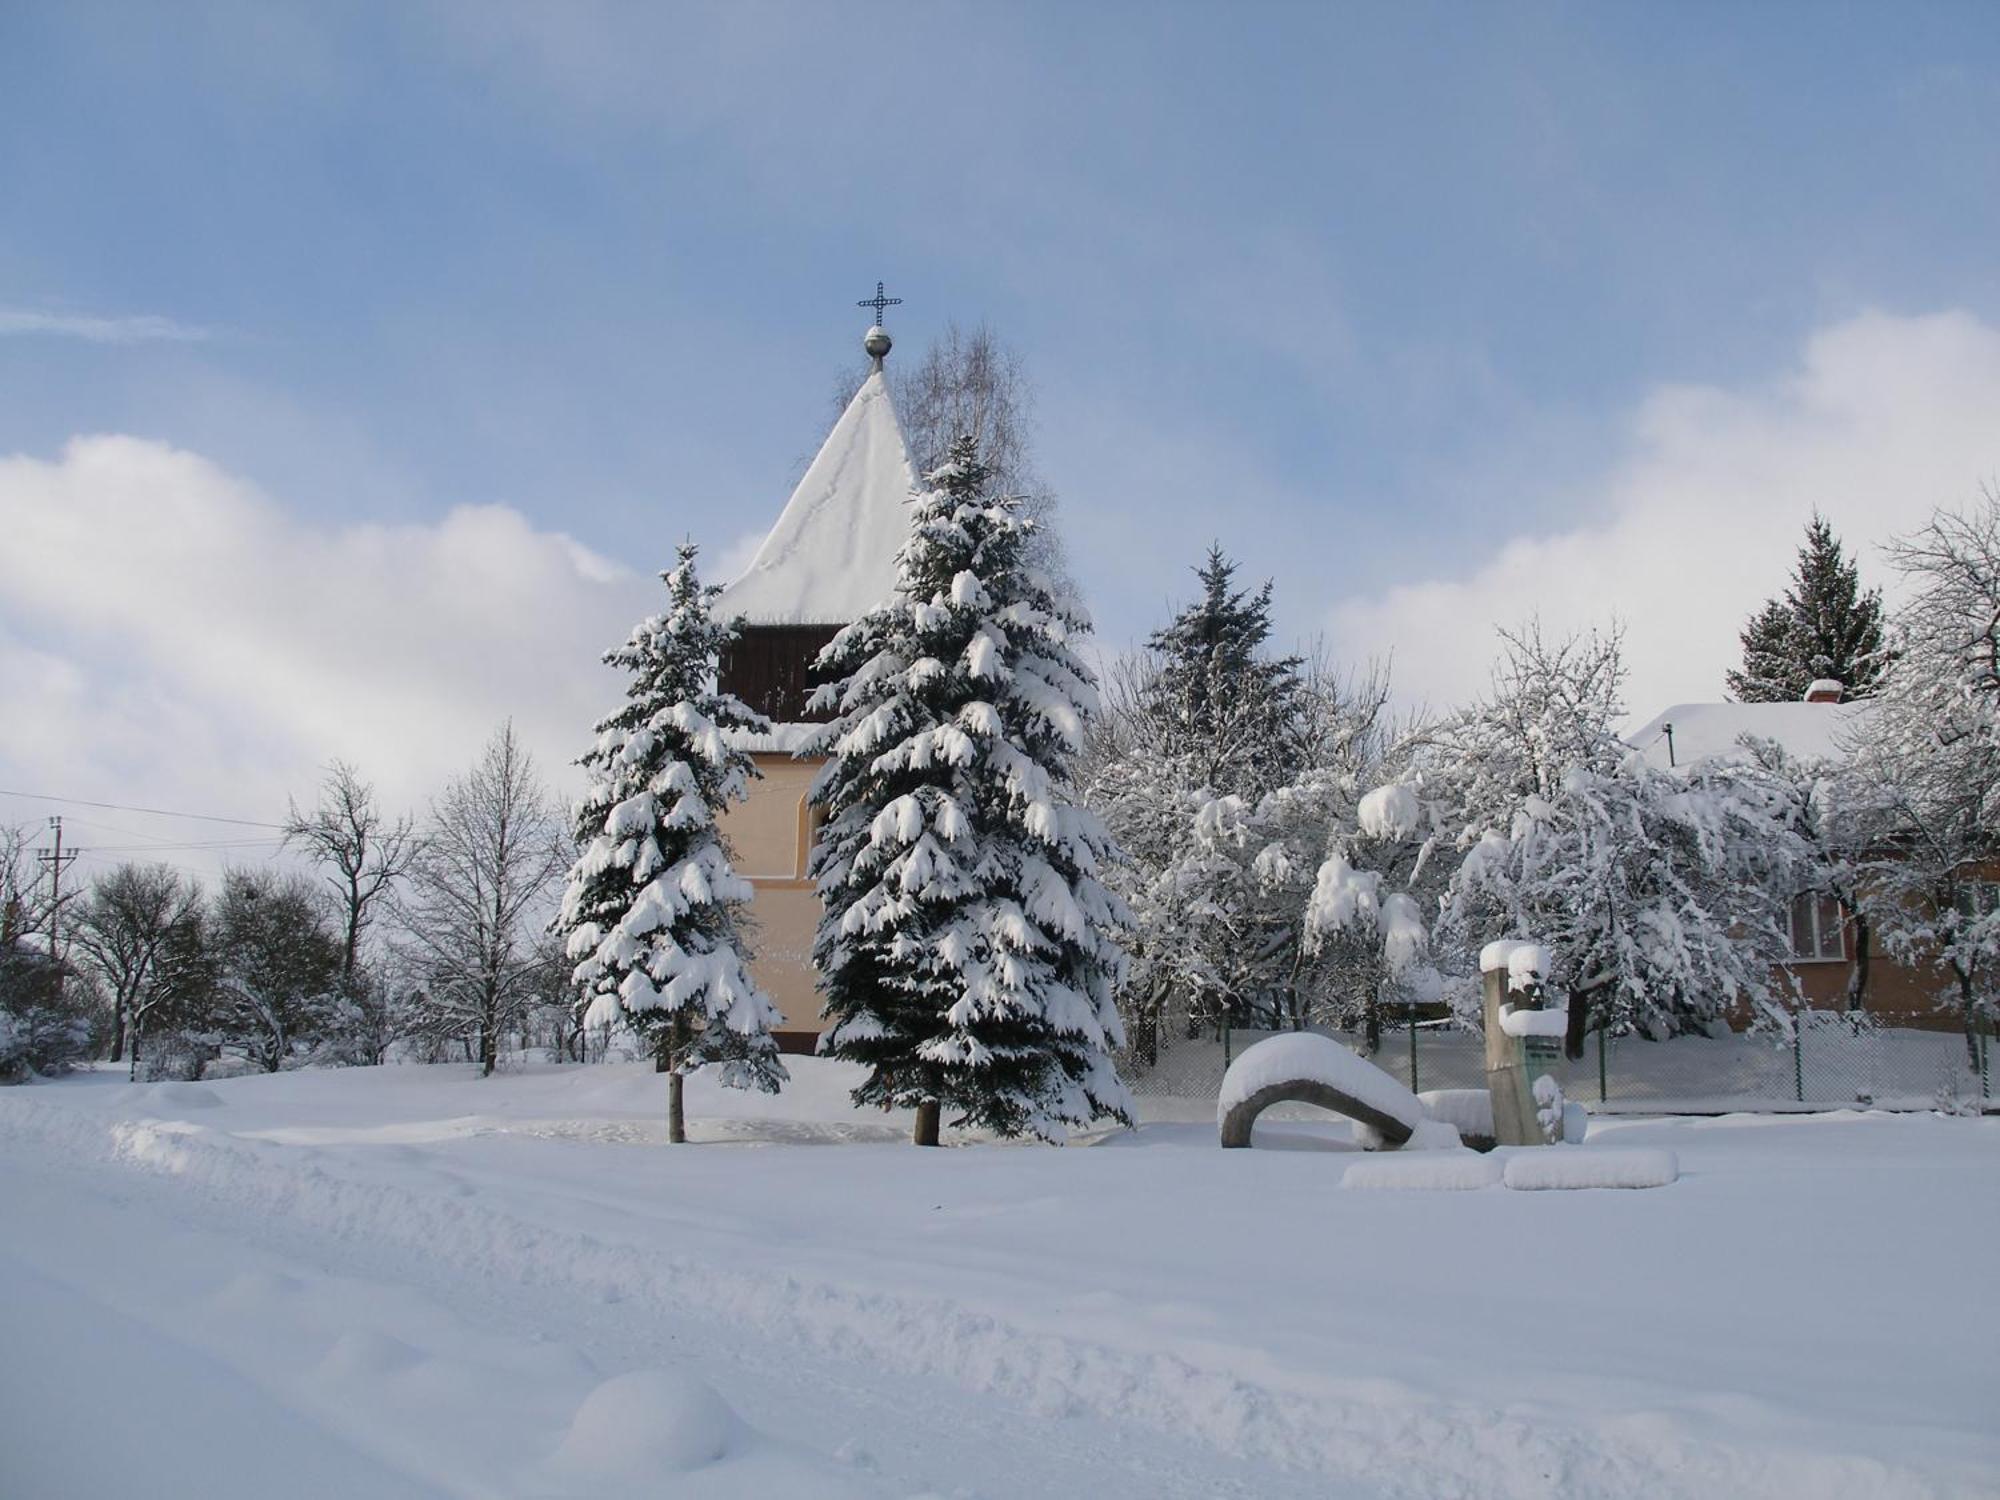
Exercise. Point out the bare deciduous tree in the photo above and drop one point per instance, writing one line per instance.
(362, 852)
(477, 896)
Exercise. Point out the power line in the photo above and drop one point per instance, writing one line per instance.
(158, 812)
(164, 848)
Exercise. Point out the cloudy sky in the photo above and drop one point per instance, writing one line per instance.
(359, 364)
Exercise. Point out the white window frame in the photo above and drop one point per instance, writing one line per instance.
(1818, 914)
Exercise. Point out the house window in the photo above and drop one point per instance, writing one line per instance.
(1818, 934)
(1978, 898)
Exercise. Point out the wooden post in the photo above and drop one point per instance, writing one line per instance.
(1514, 1122)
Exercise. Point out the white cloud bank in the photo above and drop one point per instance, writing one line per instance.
(1883, 419)
(172, 637)
(134, 328)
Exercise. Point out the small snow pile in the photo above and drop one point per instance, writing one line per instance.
(638, 1426)
(1561, 1167)
(1390, 812)
(1306, 1056)
(170, 1095)
(1469, 1111)
(1528, 966)
(1453, 1171)
(1524, 1023)
(1549, 1107)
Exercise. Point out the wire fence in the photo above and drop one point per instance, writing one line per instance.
(1830, 1059)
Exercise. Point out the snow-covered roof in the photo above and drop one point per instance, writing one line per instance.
(832, 555)
(1704, 730)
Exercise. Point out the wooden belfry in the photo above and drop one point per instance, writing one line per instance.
(770, 667)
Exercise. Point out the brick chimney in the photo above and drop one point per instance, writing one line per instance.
(1826, 690)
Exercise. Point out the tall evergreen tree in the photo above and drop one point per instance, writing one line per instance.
(1824, 627)
(1206, 727)
(1225, 708)
(651, 906)
(967, 951)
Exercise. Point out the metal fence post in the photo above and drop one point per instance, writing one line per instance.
(1413, 1046)
(1603, 1092)
(1985, 1071)
(1799, 1057)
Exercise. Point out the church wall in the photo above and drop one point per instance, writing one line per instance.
(768, 837)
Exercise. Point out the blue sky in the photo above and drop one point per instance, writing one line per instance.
(1369, 293)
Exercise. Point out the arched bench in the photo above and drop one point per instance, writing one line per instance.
(1307, 1068)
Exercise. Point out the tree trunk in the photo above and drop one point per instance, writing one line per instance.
(118, 1031)
(1857, 975)
(489, 1050)
(1579, 1024)
(1969, 1012)
(676, 1115)
(928, 1115)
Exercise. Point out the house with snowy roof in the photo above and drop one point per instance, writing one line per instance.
(1820, 727)
(829, 559)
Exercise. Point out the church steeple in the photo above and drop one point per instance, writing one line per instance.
(831, 556)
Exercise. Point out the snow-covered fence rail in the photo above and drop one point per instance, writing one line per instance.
(1831, 1061)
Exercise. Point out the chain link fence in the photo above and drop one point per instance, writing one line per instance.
(1830, 1059)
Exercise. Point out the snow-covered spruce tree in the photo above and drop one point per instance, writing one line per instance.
(651, 905)
(1224, 705)
(1203, 728)
(967, 948)
(1825, 627)
(1929, 752)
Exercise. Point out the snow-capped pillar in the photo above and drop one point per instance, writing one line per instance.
(1514, 1122)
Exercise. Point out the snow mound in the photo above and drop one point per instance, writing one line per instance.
(636, 1426)
(1469, 1110)
(1546, 1023)
(170, 1095)
(1306, 1056)
(1446, 1171)
(1559, 1167)
(366, 1354)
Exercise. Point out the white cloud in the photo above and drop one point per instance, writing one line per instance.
(1884, 418)
(173, 637)
(137, 328)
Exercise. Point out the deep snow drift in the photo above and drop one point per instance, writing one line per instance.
(409, 1281)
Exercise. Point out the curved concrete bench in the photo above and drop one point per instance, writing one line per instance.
(1306, 1068)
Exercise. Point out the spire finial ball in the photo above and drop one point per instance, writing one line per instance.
(877, 343)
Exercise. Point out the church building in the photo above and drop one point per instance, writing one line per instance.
(829, 559)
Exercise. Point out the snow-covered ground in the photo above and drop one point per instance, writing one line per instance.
(410, 1281)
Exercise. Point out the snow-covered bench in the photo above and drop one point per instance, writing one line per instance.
(1306, 1068)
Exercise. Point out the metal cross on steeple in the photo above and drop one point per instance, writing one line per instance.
(878, 302)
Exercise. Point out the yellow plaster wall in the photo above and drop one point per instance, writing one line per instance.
(768, 837)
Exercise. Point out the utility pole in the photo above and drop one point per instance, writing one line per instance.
(56, 862)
